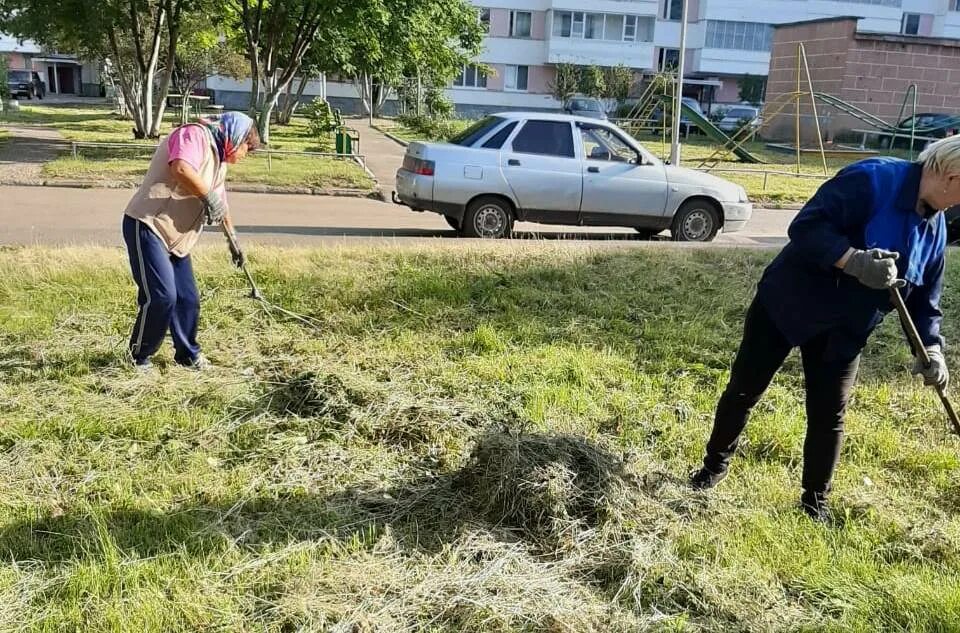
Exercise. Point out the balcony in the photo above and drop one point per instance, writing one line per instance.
(732, 62)
(634, 7)
(565, 50)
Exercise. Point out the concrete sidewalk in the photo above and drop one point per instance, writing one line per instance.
(382, 155)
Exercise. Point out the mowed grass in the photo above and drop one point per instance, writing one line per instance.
(99, 124)
(322, 480)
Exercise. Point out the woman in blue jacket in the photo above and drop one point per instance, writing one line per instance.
(876, 224)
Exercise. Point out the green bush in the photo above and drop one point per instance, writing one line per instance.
(438, 104)
(323, 120)
(430, 128)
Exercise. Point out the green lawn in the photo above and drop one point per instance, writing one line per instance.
(490, 438)
(130, 164)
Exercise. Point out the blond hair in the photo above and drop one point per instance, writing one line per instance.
(943, 156)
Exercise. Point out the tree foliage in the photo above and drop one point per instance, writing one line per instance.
(202, 53)
(138, 37)
(593, 83)
(566, 82)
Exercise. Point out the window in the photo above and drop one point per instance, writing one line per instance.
(602, 144)
(548, 138)
(594, 26)
(470, 77)
(484, 18)
(562, 23)
(672, 9)
(910, 24)
(516, 78)
(669, 59)
(742, 36)
(630, 28)
(614, 27)
(520, 23)
(577, 25)
(613, 30)
(476, 131)
(497, 140)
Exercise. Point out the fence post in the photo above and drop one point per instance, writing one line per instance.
(73, 146)
(765, 175)
(269, 160)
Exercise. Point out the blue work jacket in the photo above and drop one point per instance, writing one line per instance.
(869, 204)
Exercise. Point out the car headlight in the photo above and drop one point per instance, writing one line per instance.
(742, 195)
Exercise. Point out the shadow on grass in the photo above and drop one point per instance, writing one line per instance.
(537, 489)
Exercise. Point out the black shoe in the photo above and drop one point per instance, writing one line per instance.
(814, 505)
(705, 479)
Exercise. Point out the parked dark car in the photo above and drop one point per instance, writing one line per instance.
(25, 83)
(928, 124)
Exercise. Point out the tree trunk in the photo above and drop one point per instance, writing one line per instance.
(291, 103)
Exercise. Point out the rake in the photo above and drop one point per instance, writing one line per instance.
(921, 351)
(258, 296)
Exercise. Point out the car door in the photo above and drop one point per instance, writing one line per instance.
(544, 172)
(619, 187)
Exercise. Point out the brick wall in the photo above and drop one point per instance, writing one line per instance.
(871, 71)
(827, 46)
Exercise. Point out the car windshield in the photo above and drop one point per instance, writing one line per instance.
(18, 75)
(693, 104)
(741, 113)
(476, 131)
(585, 105)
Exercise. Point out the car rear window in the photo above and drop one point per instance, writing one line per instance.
(476, 131)
(548, 138)
(585, 105)
(19, 75)
(497, 140)
(741, 113)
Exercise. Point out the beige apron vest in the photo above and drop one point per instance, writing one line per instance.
(166, 208)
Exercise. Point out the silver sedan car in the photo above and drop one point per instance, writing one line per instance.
(562, 169)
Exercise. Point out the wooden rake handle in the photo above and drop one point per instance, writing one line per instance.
(921, 351)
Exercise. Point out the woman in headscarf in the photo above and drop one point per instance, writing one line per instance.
(182, 191)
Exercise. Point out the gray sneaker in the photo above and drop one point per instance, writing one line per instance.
(142, 366)
(200, 363)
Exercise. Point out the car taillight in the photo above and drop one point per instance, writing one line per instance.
(419, 166)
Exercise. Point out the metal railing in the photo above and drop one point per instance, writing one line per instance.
(269, 153)
(765, 172)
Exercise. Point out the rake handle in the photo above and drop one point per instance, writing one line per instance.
(921, 351)
(254, 291)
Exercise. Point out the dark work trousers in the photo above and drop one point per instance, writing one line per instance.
(829, 382)
(168, 296)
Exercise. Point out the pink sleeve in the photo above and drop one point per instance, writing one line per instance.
(187, 143)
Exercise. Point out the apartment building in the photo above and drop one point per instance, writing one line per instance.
(726, 40)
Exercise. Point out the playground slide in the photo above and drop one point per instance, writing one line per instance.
(707, 127)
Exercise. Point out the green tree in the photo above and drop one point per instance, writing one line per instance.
(276, 37)
(592, 81)
(427, 40)
(201, 53)
(751, 88)
(4, 88)
(138, 37)
(619, 82)
(566, 82)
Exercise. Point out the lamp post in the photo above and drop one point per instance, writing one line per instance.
(678, 97)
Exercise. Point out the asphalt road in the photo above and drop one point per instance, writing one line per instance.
(59, 216)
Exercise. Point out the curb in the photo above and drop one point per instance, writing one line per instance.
(376, 194)
(395, 139)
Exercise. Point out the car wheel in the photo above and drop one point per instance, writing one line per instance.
(453, 222)
(696, 221)
(488, 217)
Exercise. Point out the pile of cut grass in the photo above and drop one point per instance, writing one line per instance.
(490, 438)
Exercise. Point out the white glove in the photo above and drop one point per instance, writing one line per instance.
(936, 374)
